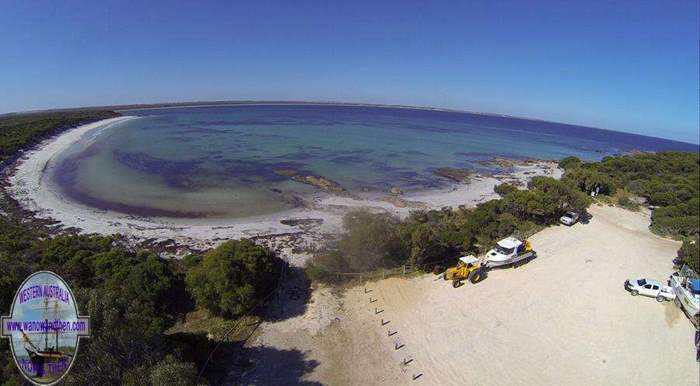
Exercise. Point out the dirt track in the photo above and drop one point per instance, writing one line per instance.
(564, 318)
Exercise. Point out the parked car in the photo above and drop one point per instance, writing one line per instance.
(569, 218)
(651, 288)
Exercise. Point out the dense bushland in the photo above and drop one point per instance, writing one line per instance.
(669, 181)
(22, 130)
(132, 299)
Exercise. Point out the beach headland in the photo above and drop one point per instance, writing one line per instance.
(289, 232)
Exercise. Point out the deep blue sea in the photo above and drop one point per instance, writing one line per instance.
(222, 161)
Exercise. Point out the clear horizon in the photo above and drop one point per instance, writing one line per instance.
(604, 65)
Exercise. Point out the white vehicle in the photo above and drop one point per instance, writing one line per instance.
(651, 288)
(686, 286)
(509, 251)
(569, 218)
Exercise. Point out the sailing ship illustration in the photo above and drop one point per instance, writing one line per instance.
(50, 353)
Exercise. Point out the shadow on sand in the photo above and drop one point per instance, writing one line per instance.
(233, 362)
(292, 296)
(585, 218)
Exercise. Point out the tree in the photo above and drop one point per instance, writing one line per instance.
(588, 180)
(570, 162)
(231, 278)
(504, 189)
(425, 245)
(172, 372)
(689, 253)
(370, 240)
(545, 201)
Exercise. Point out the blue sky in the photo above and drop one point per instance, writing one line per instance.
(621, 65)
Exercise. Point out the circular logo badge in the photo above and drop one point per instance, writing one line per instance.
(44, 328)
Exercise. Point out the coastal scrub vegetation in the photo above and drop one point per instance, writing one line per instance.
(689, 253)
(373, 241)
(667, 181)
(133, 297)
(17, 131)
(670, 181)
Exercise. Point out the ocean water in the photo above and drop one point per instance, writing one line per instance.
(223, 161)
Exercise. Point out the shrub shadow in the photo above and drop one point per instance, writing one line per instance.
(270, 366)
(233, 363)
(585, 218)
(292, 296)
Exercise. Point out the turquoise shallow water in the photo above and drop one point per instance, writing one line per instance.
(221, 161)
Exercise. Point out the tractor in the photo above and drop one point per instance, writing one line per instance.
(468, 268)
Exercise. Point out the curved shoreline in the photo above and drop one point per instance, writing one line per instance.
(27, 185)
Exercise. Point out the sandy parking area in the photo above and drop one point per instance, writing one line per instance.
(564, 318)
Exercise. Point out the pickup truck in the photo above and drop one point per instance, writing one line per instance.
(651, 288)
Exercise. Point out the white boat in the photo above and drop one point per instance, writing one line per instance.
(686, 285)
(509, 251)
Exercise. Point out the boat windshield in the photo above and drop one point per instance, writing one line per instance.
(503, 251)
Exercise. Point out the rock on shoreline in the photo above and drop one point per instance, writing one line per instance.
(461, 175)
(320, 182)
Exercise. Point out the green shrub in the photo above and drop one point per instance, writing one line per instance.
(638, 187)
(689, 253)
(370, 241)
(675, 226)
(231, 278)
(663, 198)
(588, 180)
(504, 189)
(570, 162)
(626, 201)
(171, 372)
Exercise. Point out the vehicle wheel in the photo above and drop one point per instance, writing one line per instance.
(456, 283)
(634, 292)
(677, 302)
(660, 299)
(476, 277)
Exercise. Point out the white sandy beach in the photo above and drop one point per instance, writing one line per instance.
(34, 192)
